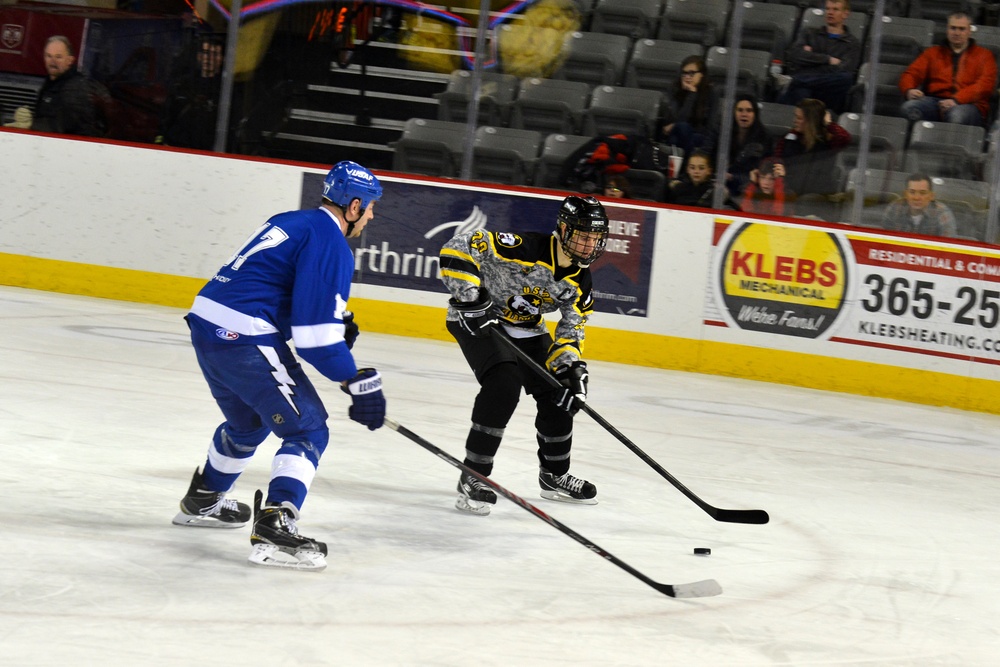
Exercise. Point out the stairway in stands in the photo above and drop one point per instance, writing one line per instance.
(355, 112)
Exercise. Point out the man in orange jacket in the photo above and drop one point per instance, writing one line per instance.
(951, 81)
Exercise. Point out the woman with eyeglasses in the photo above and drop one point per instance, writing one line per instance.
(692, 109)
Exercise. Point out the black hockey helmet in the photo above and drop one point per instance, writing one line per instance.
(584, 229)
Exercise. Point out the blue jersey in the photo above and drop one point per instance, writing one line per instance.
(290, 281)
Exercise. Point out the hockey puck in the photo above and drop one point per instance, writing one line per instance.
(702, 551)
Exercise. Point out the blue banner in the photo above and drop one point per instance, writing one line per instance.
(399, 248)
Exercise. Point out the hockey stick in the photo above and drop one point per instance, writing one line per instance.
(719, 514)
(698, 589)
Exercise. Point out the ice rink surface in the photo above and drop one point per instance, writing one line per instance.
(883, 545)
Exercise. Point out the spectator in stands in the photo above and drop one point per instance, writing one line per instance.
(749, 143)
(192, 109)
(823, 62)
(765, 193)
(809, 150)
(617, 187)
(67, 100)
(697, 186)
(691, 109)
(951, 81)
(917, 212)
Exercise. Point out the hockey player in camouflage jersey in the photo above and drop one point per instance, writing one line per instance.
(511, 281)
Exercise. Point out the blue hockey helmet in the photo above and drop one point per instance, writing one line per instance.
(348, 181)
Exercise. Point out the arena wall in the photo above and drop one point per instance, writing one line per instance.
(813, 304)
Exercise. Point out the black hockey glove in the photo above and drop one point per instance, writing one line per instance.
(574, 378)
(476, 317)
(351, 330)
(367, 401)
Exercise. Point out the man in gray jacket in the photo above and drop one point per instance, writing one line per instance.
(823, 62)
(918, 213)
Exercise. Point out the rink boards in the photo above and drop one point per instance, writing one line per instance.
(812, 304)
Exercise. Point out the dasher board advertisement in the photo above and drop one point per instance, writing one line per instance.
(856, 288)
(413, 220)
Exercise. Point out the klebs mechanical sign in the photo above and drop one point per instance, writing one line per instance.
(784, 280)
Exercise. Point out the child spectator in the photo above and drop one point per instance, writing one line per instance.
(617, 187)
(765, 193)
(697, 186)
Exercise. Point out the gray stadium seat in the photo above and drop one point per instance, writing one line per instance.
(550, 105)
(969, 200)
(892, 7)
(615, 109)
(594, 58)
(699, 21)
(903, 39)
(496, 94)
(505, 155)
(636, 19)
(878, 187)
(752, 76)
(777, 118)
(429, 147)
(987, 36)
(886, 81)
(768, 27)
(555, 151)
(948, 150)
(647, 184)
(888, 142)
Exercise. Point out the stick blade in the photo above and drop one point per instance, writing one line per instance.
(741, 516)
(698, 589)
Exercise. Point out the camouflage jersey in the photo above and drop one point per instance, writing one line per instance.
(521, 275)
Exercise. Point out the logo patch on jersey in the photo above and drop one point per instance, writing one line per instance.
(508, 240)
(226, 334)
(525, 306)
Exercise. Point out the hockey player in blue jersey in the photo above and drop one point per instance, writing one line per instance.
(290, 281)
(513, 280)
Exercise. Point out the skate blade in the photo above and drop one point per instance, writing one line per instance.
(192, 520)
(269, 555)
(563, 498)
(472, 506)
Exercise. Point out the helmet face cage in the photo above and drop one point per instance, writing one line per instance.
(348, 181)
(584, 235)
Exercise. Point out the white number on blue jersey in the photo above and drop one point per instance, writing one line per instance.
(269, 239)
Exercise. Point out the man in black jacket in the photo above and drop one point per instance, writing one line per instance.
(66, 103)
(824, 61)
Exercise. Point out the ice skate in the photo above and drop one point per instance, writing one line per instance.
(210, 509)
(566, 488)
(474, 496)
(276, 540)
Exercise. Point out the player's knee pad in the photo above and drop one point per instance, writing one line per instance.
(498, 397)
(552, 421)
(238, 444)
(310, 445)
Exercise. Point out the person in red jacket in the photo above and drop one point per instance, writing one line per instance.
(952, 81)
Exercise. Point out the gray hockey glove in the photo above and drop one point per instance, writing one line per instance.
(351, 330)
(574, 379)
(476, 317)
